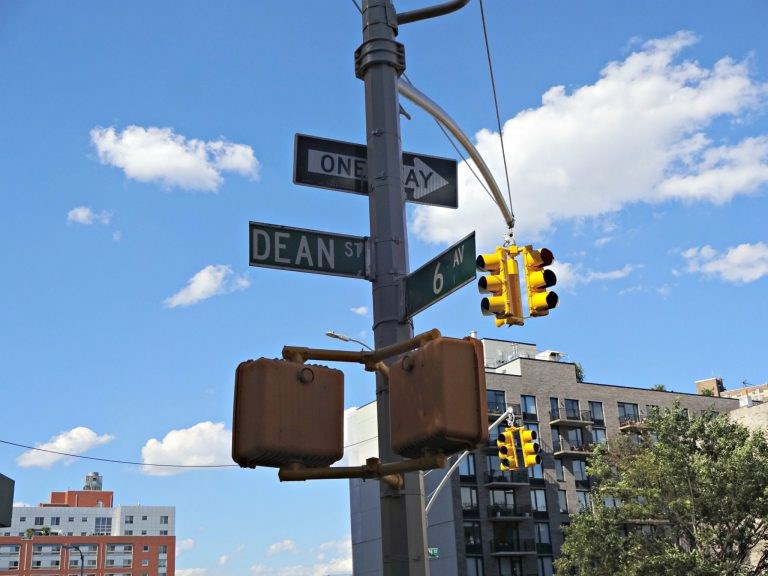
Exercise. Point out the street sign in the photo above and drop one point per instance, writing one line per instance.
(433, 552)
(441, 276)
(343, 166)
(288, 248)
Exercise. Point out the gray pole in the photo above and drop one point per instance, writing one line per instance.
(378, 62)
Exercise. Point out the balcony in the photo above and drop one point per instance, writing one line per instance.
(516, 513)
(499, 479)
(573, 418)
(631, 423)
(564, 448)
(496, 409)
(513, 547)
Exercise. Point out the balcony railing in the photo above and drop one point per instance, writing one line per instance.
(570, 417)
(510, 477)
(503, 546)
(631, 422)
(565, 448)
(508, 512)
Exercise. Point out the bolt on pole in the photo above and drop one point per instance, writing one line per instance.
(379, 61)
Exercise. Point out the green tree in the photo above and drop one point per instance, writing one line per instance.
(579, 372)
(689, 497)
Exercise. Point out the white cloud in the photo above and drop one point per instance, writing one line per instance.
(284, 546)
(184, 545)
(210, 281)
(159, 155)
(204, 444)
(21, 505)
(638, 134)
(75, 441)
(341, 547)
(84, 215)
(571, 275)
(359, 310)
(223, 559)
(741, 264)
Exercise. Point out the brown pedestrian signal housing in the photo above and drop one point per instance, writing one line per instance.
(437, 398)
(287, 413)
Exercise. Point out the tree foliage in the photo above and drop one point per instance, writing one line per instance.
(686, 497)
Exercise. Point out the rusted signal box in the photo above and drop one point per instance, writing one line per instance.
(437, 398)
(287, 413)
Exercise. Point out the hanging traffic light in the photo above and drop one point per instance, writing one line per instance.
(538, 279)
(530, 447)
(507, 451)
(503, 283)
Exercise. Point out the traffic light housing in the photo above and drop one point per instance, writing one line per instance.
(507, 451)
(537, 279)
(503, 283)
(530, 447)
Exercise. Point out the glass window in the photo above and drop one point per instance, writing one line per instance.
(145, 549)
(496, 402)
(22, 519)
(505, 498)
(472, 533)
(71, 519)
(103, 525)
(468, 498)
(579, 470)
(582, 499)
(39, 520)
(467, 466)
(545, 566)
(474, 566)
(163, 549)
(555, 438)
(554, 409)
(143, 517)
(162, 563)
(129, 532)
(510, 566)
(596, 409)
(145, 562)
(628, 413)
(163, 519)
(129, 519)
(163, 532)
(542, 533)
(538, 500)
(598, 435)
(572, 409)
(562, 501)
(575, 438)
(536, 471)
(559, 473)
(55, 521)
(528, 405)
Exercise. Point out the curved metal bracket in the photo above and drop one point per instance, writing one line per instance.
(431, 11)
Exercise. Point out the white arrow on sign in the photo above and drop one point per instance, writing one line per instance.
(420, 178)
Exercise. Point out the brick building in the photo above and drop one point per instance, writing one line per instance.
(492, 523)
(82, 533)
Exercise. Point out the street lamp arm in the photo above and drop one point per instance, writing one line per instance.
(423, 101)
(431, 11)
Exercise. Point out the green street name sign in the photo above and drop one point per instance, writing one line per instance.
(288, 248)
(441, 276)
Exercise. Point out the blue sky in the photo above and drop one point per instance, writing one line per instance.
(138, 141)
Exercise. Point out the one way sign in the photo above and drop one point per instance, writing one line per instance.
(342, 166)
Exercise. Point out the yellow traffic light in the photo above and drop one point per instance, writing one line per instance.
(507, 451)
(530, 447)
(503, 283)
(538, 279)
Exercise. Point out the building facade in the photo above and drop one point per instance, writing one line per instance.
(492, 523)
(82, 533)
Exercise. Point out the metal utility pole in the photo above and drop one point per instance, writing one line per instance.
(379, 61)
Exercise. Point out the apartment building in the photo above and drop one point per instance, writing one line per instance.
(82, 533)
(486, 522)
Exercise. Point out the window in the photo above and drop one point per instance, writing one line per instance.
(143, 532)
(129, 532)
(559, 473)
(472, 536)
(474, 566)
(538, 500)
(127, 563)
(582, 499)
(555, 439)
(545, 566)
(22, 519)
(129, 519)
(528, 404)
(145, 549)
(145, 562)
(502, 498)
(128, 548)
(163, 532)
(467, 466)
(83, 519)
(628, 414)
(162, 563)
(163, 519)
(579, 470)
(574, 439)
(163, 549)
(39, 520)
(103, 526)
(55, 521)
(554, 409)
(496, 401)
(542, 533)
(562, 501)
(596, 410)
(536, 472)
(468, 498)
(71, 519)
(510, 566)
(572, 409)
(598, 435)
(143, 517)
